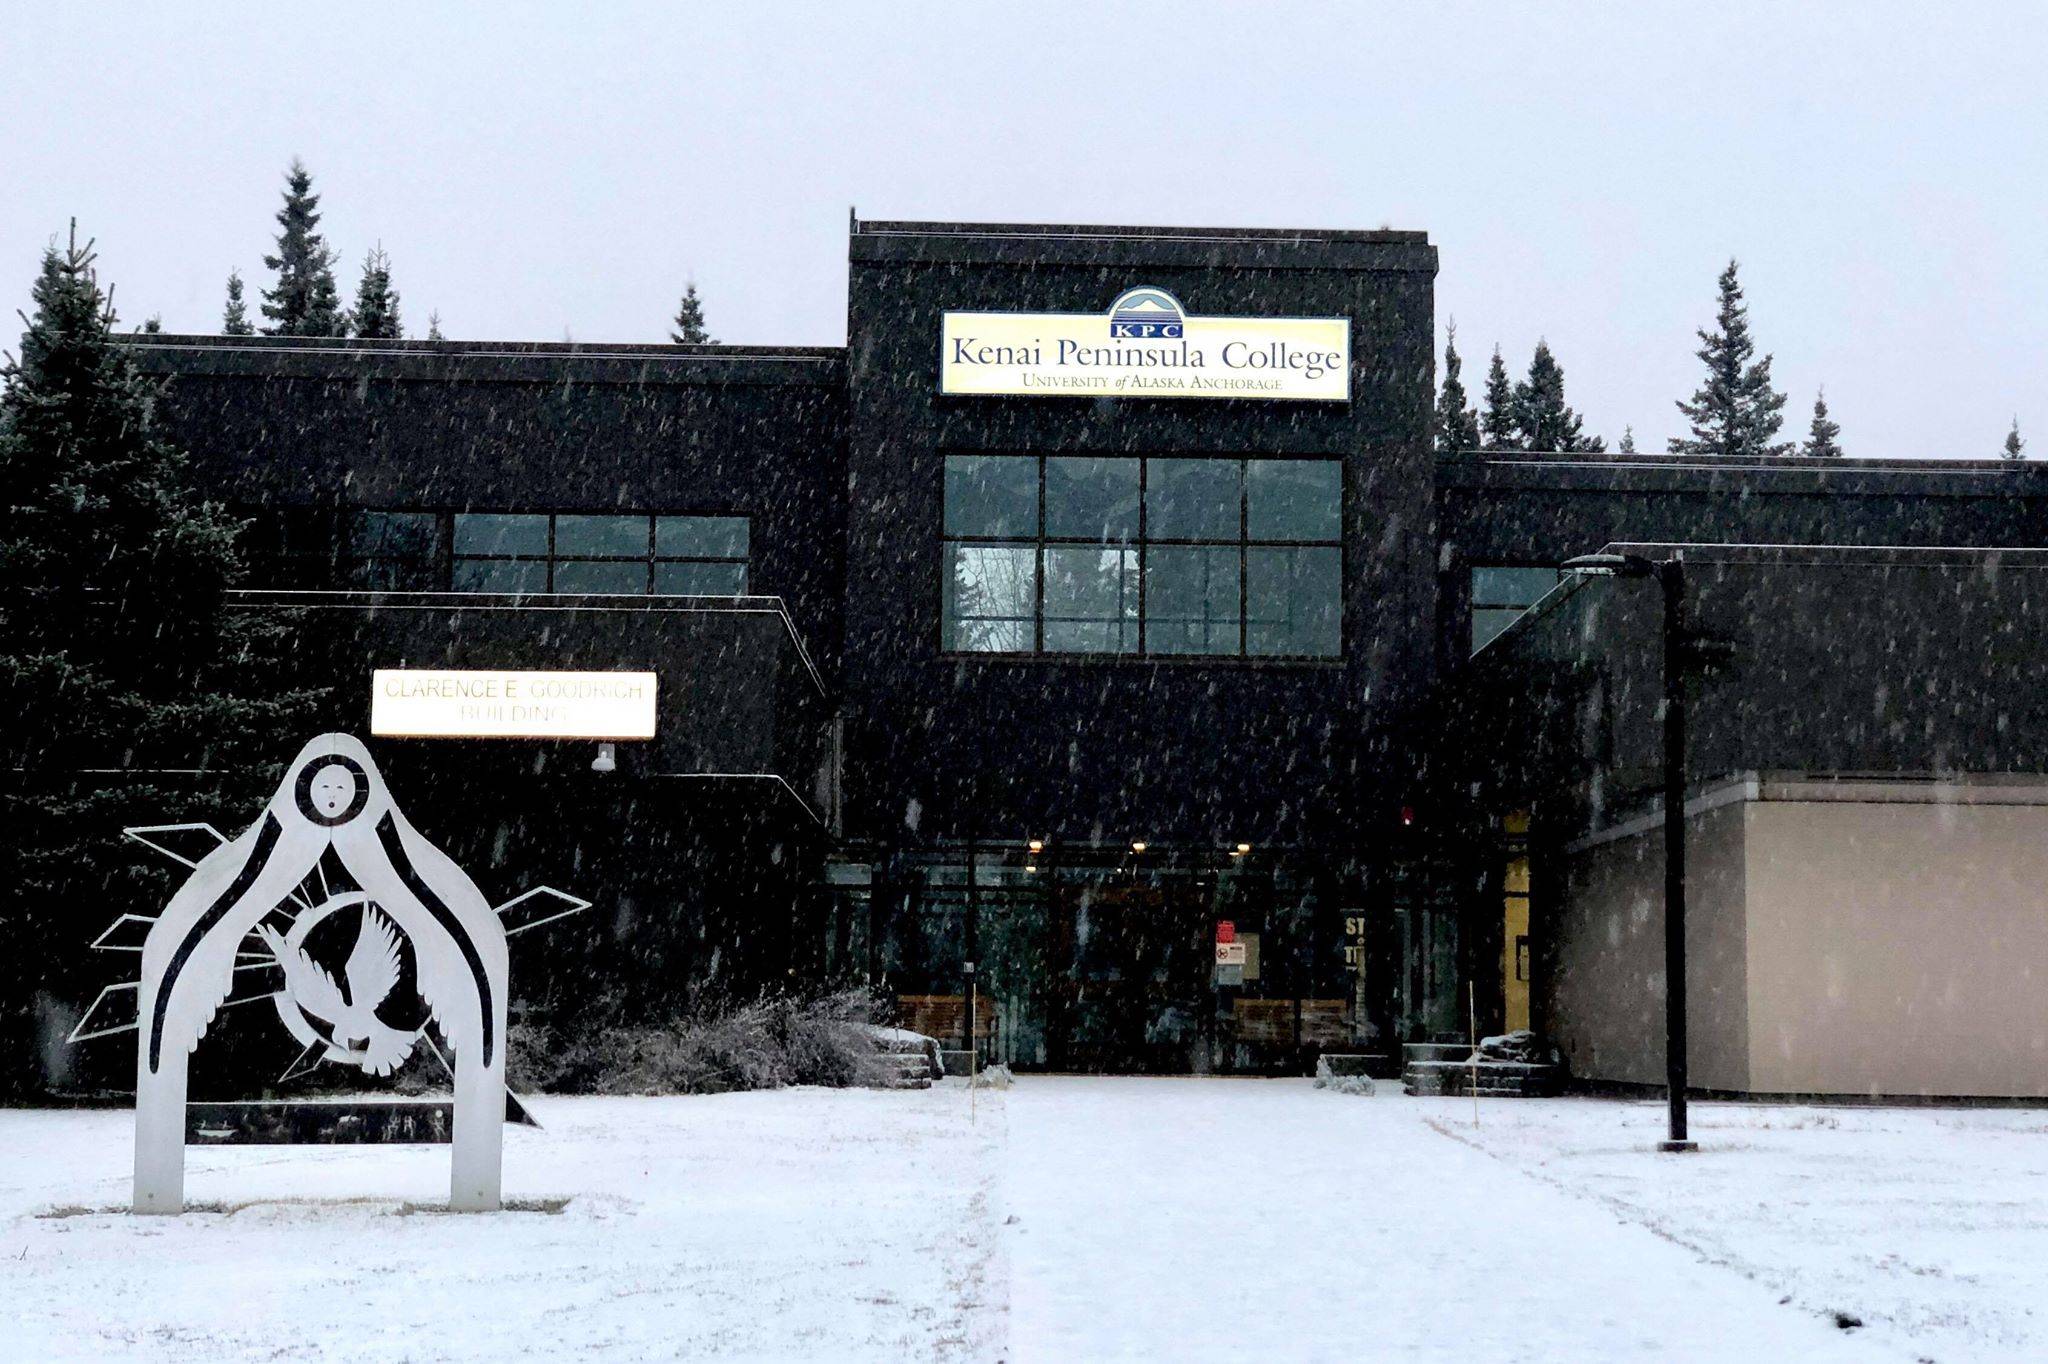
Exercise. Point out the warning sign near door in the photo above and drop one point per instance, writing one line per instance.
(1230, 953)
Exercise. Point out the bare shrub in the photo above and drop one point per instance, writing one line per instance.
(768, 1044)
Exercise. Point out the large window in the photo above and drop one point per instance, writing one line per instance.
(600, 553)
(1072, 554)
(1502, 592)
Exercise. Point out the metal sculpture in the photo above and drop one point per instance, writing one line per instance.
(332, 806)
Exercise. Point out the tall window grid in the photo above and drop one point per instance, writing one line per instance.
(1158, 555)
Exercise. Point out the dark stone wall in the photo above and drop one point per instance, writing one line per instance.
(1534, 509)
(1857, 662)
(733, 693)
(1122, 748)
(458, 426)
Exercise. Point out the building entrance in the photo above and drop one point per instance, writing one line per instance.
(1104, 960)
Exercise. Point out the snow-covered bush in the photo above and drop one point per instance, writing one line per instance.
(768, 1044)
(1327, 1078)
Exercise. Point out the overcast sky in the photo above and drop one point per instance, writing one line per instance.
(545, 171)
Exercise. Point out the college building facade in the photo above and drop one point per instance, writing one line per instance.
(1103, 600)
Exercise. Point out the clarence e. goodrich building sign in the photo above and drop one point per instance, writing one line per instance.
(1028, 669)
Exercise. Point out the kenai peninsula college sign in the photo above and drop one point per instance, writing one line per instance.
(1146, 346)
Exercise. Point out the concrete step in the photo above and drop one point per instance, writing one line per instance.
(1412, 1052)
(1496, 1079)
(1348, 1063)
(906, 1070)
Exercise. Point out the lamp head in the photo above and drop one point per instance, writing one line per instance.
(1611, 566)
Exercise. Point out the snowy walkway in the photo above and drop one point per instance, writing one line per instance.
(1221, 1219)
(1075, 1220)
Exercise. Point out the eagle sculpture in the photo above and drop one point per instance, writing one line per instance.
(351, 1016)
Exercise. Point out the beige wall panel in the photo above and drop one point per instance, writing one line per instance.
(1606, 983)
(1898, 948)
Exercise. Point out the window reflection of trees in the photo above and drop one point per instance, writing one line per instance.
(1161, 555)
(994, 590)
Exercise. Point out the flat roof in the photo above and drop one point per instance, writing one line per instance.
(484, 361)
(1121, 232)
(1136, 248)
(1515, 470)
(1875, 556)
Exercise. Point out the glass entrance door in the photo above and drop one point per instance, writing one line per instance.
(1104, 960)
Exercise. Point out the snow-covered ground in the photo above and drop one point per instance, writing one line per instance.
(1929, 1225)
(1066, 1220)
(798, 1225)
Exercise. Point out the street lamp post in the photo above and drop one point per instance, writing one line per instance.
(1670, 576)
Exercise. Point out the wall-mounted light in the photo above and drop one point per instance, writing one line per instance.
(607, 759)
(1243, 848)
(1139, 846)
(1036, 845)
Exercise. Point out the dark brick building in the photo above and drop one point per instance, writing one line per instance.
(1044, 685)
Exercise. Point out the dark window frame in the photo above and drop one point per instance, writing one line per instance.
(347, 564)
(651, 560)
(1140, 544)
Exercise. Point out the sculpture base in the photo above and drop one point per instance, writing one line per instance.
(330, 1122)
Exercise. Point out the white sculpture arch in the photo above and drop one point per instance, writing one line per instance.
(332, 796)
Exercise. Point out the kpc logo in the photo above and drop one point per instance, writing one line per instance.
(1145, 314)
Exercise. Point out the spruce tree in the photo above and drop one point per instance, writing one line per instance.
(1822, 438)
(1457, 425)
(2014, 448)
(1542, 420)
(1735, 413)
(117, 651)
(234, 319)
(1628, 441)
(688, 328)
(304, 301)
(375, 315)
(434, 327)
(1497, 423)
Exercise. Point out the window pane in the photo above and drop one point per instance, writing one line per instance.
(1191, 600)
(395, 535)
(586, 575)
(601, 535)
(1511, 586)
(1092, 499)
(991, 595)
(1192, 499)
(1294, 600)
(1091, 600)
(390, 575)
(701, 537)
(501, 575)
(1294, 499)
(701, 580)
(991, 495)
(1490, 621)
(500, 533)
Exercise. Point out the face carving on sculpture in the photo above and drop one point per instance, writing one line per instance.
(332, 790)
